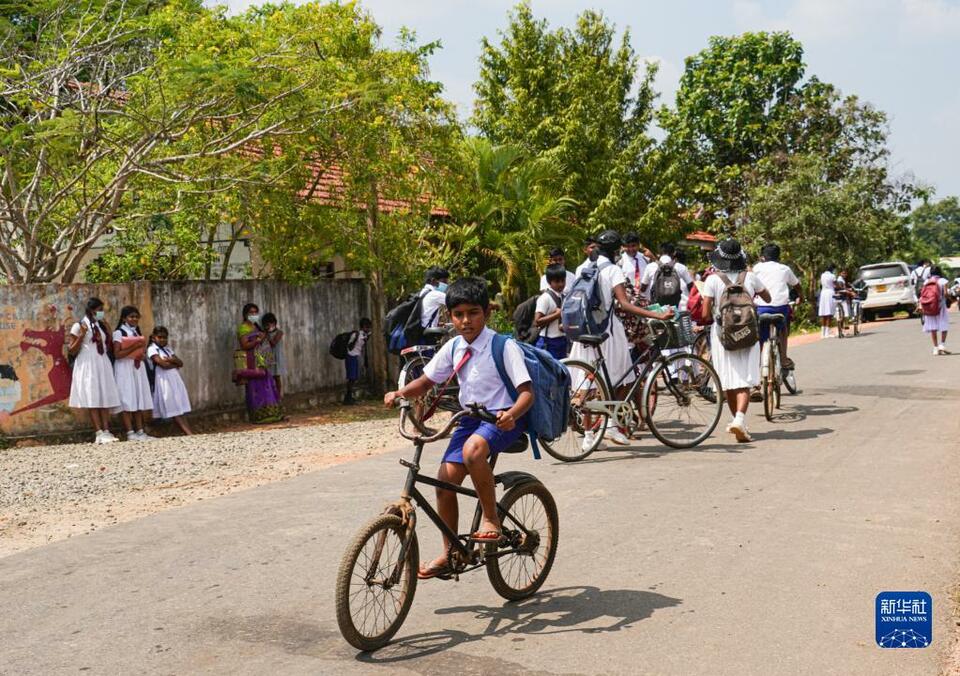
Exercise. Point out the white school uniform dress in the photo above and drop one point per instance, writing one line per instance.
(827, 305)
(737, 369)
(433, 300)
(938, 322)
(547, 303)
(616, 348)
(93, 384)
(571, 278)
(132, 382)
(170, 397)
(480, 381)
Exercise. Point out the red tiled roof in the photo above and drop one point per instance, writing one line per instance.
(701, 236)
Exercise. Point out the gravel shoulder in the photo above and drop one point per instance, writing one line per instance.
(50, 493)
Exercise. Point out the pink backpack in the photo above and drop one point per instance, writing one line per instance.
(930, 297)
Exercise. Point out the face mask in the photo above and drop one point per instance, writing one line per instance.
(255, 319)
(442, 286)
(98, 315)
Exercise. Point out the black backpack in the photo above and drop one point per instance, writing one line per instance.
(667, 289)
(395, 323)
(524, 328)
(342, 344)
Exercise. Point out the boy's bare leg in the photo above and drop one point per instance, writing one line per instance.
(476, 452)
(447, 506)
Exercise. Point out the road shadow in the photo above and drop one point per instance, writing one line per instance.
(579, 610)
(618, 453)
(904, 392)
(800, 412)
(792, 435)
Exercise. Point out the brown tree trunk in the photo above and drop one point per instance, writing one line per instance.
(378, 348)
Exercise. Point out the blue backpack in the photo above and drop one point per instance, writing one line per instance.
(547, 418)
(584, 311)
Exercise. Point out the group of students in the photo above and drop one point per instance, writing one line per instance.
(124, 372)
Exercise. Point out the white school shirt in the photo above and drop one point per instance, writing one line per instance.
(633, 268)
(433, 300)
(571, 278)
(779, 279)
(828, 281)
(546, 304)
(154, 350)
(714, 287)
(357, 349)
(480, 381)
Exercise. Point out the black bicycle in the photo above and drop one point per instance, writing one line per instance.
(676, 396)
(377, 578)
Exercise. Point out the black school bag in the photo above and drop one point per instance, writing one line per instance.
(396, 321)
(523, 317)
(342, 344)
(667, 288)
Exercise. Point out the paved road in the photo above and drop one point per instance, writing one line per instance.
(754, 559)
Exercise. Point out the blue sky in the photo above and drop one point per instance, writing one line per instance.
(900, 55)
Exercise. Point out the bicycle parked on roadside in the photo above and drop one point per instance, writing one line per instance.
(676, 396)
(377, 577)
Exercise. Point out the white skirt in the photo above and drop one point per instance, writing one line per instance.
(737, 368)
(615, 350)
(92, 384)
(133, 385)
(828, 304)
(940, 322)
(170, 397)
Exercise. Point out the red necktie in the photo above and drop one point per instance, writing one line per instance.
(436, 402)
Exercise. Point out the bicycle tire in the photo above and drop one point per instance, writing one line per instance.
(790, 380)
(701, 345)
(856, 324)
(411, 370)
(569, 446)
(496, 566)
(841, 320)
(702, 382)
(359, 637)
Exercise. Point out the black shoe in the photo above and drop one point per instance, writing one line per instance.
(349, 401)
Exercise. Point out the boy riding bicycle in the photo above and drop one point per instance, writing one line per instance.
(470, 358)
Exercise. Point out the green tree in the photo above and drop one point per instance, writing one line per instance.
(937, 226)
(567, 93)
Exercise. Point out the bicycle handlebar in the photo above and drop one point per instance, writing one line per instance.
(473, 410)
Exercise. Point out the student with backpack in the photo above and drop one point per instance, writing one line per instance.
(735, 341)
(556, 257)
(348, 346)
(667, 281)
(404, 325)
(933, 306)
(590, 250)
(548, 312)
(779, 280)
(471, 357)
(601, 284)
(434, 297)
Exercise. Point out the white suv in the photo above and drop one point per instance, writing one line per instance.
(888, 289)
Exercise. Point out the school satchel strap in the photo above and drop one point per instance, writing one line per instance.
(497, 347)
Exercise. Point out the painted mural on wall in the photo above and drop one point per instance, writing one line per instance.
(35, 374)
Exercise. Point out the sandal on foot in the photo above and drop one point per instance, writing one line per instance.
(441, 570)
(486, 535)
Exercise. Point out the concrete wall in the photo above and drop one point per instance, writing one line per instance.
(202, 318)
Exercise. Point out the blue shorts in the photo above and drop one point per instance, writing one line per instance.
(352, 364)
(557, 347)
(497, 439)
(774, 310)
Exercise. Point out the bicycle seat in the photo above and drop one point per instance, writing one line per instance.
(593, 340)
(434, 332)
(769, 319)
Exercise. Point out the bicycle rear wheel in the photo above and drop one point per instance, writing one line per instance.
(519, 575)
(789, 378)
(686, 390)
(370, 605)
(586, 385)
(841, 321)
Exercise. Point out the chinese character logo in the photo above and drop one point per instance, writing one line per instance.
(904, 619)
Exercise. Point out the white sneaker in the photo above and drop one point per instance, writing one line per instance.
(589, 439)
(140, 435)
(739, 430)
(616, 436)
(107, 437)
(99, 438)
(942, 349)
(936, 351)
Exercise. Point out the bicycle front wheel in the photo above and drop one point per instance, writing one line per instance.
(688, 399)
(584, 428)
(518, 575)
(375, 587)
(445, 400)
(790, 380)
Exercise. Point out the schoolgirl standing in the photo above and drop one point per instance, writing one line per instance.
(828, 304)
(131, 373)
(170, 399)
(92, 386)
(940, 322)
